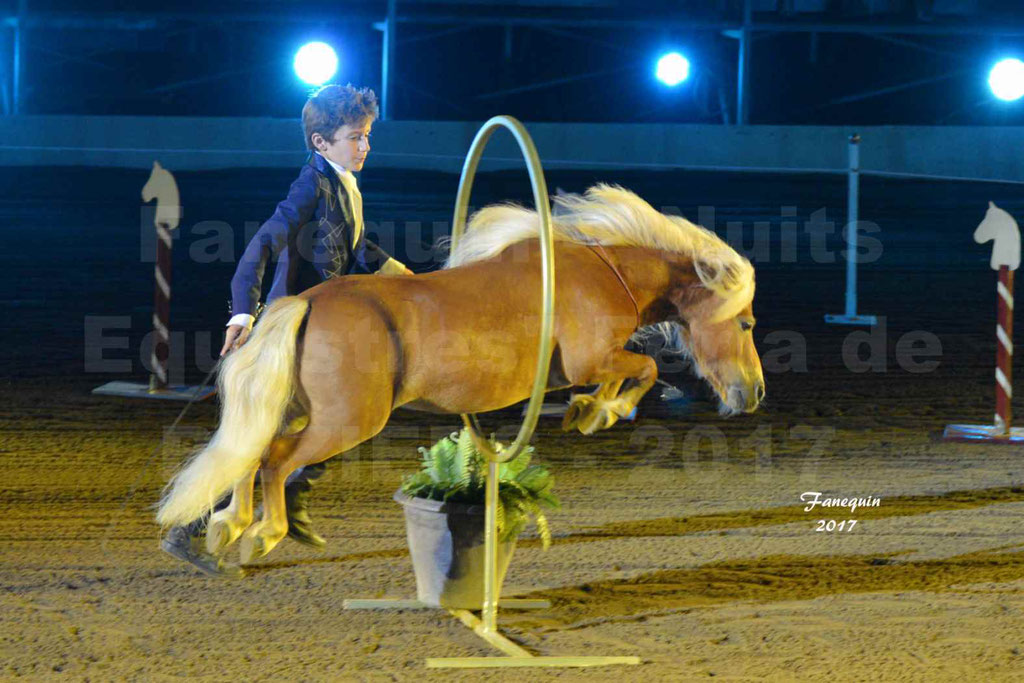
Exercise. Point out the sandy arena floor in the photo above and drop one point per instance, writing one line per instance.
(703, 564)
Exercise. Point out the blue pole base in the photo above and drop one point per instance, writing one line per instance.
(174, 393)
(558, 409)
(982, 434)
(851, 319)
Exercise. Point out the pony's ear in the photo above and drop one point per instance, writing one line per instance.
(156, 165)
(991, 205)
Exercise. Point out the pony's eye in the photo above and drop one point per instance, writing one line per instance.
(746, 325)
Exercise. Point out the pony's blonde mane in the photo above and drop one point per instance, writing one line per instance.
(613, 216)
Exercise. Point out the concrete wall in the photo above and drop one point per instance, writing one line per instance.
(207, 143)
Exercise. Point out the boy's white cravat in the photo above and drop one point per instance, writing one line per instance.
(349, 181)
(390, 267)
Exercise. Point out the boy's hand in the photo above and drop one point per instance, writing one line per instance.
(234, 337)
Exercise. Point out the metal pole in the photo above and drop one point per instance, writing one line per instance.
(743, 75)
(492, 584)
(852, 197)
(850, 315)
(5, 79)
(19, 26)
(387, 62)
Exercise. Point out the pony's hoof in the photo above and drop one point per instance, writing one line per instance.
(596, 420)
(602, 415)
(620, 408)
(579, 406)
(256, 543)
(253, 548)
(219, 535)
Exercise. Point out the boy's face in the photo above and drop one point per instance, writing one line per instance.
(348, 147)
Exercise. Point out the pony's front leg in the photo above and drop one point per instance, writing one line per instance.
(581, 405)
(639, 384)
(227, 525)
(602, 411)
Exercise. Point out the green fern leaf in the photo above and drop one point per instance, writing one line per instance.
(512, 468)
(452, 469)
(466, 457)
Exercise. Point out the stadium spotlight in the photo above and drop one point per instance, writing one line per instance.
(673, 69)
(315, 63)
(1006, 79)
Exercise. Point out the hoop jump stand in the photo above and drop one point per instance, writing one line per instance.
(486, 625)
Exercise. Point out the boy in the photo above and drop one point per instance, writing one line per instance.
(315, 234)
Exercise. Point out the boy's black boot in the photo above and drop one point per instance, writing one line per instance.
(185, 543)
(300, 525)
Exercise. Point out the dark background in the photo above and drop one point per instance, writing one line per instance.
(881, 62)
(70, 257)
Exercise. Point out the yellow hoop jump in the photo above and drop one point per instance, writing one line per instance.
(486, 626)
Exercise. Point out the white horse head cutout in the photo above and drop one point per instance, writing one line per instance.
(162, 187)
(1000, 227)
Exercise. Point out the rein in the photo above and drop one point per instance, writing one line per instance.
(599, 250)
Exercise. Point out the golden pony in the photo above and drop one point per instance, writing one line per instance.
(463, 339)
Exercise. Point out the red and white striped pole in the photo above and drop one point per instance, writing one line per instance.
(1000, 228)
(161, 309)
(1004, 353)
(161, 187)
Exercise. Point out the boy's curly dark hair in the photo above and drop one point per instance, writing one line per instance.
(333, 106)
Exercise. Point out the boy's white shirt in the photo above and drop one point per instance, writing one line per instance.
(389, 267)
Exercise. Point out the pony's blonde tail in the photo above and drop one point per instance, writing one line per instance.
(256, 383)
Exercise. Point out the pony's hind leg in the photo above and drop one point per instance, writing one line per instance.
(260, 538)
(348, 395)
(228, 524)
(287, 454)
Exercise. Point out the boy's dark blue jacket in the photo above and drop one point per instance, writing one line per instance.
(310, 236)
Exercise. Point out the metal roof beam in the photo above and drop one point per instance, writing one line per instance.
(149, 20)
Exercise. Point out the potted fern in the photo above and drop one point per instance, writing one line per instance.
(444, 516)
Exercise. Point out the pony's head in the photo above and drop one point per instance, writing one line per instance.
(149, 190)
(711, 290)
(716, 323)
